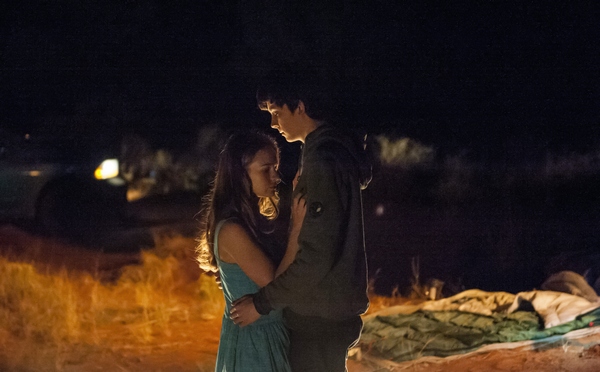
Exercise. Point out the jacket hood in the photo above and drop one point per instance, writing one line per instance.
(351, 141)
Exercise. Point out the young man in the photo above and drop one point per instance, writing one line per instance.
(324, 291)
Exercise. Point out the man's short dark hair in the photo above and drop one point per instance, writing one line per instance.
(289, 84)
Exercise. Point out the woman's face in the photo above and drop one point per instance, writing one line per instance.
(263, 173)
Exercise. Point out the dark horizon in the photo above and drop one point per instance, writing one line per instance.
(500, 81)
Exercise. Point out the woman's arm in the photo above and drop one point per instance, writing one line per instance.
(236, 246)
(243, 311)
(298, 212)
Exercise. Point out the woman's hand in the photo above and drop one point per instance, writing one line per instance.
(298, 213)
(295, 181)
(217, 277)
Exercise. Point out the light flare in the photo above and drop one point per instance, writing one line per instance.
(109, 168)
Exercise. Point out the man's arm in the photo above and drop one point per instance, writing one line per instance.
(320, 240)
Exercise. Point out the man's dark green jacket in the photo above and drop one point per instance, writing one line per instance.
(328, 278)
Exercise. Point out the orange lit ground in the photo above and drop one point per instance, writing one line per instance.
(192, 346)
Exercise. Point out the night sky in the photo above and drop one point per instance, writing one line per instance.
(498, 80)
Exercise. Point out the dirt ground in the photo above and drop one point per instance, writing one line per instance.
(192, 345)
(582, 355)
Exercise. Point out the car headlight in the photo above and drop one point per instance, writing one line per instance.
(109, 168)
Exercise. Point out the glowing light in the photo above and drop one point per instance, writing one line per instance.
(34, 173)
(108, 169)
(379, 210)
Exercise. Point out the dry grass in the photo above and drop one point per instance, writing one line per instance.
(66, 308)
(378, 302)
(52, 320)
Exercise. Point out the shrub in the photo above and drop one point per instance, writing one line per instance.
(158, 172)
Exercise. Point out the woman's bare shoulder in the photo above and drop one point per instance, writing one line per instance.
(233, 236)
(232, 228)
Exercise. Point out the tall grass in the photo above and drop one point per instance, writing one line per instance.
(68, 308)
(36, 306)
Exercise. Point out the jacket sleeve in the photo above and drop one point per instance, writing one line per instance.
(320, 238)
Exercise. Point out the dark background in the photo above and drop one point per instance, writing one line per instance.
(498, 80)
(500, 84)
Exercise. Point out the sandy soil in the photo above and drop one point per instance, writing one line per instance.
(582, 355)
(192, 345)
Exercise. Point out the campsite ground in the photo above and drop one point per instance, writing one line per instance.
(191, 344)
(502, 245)
(552, 358)
(193, 348)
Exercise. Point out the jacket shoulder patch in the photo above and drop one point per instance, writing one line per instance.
(315, 209)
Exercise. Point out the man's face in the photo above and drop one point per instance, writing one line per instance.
(286, 121)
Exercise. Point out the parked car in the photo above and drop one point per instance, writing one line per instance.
(60, 183)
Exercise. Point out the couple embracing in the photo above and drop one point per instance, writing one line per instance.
(296, 310)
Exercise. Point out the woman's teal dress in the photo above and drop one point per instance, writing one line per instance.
(260, 347)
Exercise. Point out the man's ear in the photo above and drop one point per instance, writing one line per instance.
(300, 108)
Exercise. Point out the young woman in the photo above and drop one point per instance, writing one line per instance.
(235, 240)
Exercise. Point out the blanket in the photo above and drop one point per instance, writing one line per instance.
(472, 319)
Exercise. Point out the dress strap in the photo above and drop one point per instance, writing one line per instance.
(216, 241)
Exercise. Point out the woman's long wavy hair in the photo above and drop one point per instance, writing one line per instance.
(231, 195)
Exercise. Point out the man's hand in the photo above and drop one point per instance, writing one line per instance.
(243, 311)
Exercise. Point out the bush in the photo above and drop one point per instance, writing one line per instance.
(158, 172)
